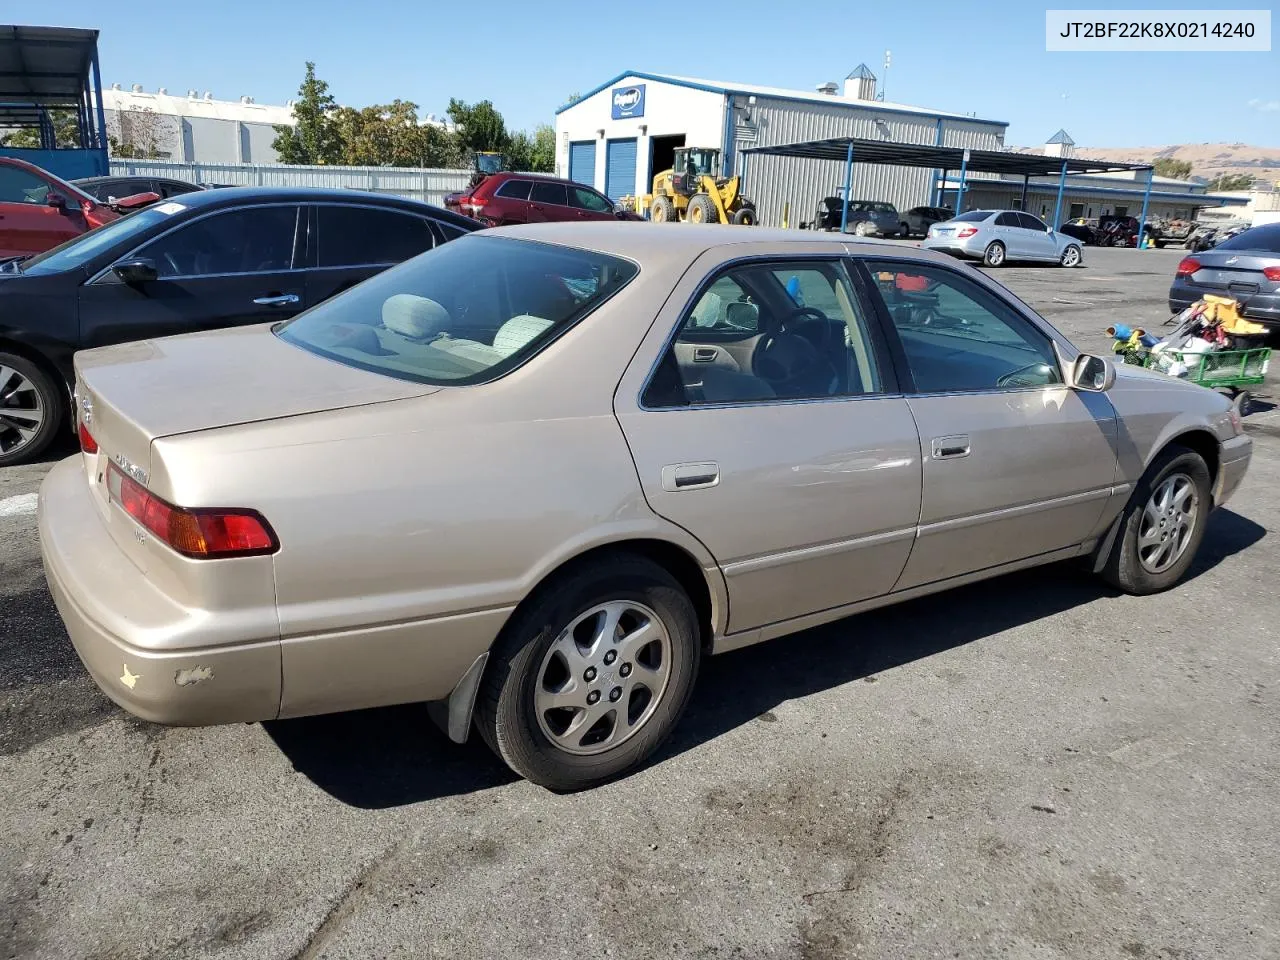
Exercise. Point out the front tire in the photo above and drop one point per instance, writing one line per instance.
(993, 256)
(592, 677)
(702, 209)
(1070, 256)
(1163, 524)
(662, 210)
(31, 409)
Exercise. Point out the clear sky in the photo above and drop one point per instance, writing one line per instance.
(984, 58)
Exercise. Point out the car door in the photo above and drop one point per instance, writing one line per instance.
(28, 224)
(589, 205)
(1016, 464)
(1040, 242)
(350, 243)
(805, 489)
(221, 269)
(1009, 231)
(548, 201)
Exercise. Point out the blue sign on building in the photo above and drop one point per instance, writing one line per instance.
(627, 102)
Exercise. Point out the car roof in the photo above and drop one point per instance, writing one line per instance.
(659, 243)
(232, 196)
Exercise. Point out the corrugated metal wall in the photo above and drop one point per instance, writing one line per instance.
(418, 184)
(774, 182)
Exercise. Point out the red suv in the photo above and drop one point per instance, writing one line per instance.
(38, 211)
(504, 198)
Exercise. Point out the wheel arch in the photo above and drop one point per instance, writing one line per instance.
(38, 359)
(1200, 441)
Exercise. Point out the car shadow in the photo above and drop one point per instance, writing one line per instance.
(392, 756)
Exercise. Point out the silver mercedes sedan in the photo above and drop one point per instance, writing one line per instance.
(1000, 236)
(535, 475)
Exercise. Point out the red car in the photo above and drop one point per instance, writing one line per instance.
(504, 198)
(38, 211)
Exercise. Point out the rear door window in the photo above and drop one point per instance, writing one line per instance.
(548, 193)
(1008, 220)
(362, 236)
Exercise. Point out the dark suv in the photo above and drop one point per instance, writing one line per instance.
(504, 198)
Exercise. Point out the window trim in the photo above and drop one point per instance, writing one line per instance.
(1056, 344)
(314, 238)
(298, 220)
(881, 350)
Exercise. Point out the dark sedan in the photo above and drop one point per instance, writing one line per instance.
(212, 258)
(110, 189)
(1247, 267)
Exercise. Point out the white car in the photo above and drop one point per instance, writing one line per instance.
(997, 236)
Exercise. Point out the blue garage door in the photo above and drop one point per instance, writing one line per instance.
(582, 162)
(620, 168)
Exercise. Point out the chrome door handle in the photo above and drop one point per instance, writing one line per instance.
(951, 448)
(690, 476)
(281, 300)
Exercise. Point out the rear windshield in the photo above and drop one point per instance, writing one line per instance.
(466, 312)
(1265, 238)
(974, 216)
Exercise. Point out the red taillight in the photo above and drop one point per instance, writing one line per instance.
(203, 534)
(966, 231)
(87, 443)
(1188, 266)
(1271, 273)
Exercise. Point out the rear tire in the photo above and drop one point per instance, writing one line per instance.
(904, 231)
(993, 256)
(662, 210)
(32, 408)
(1140, 562)
(539, 740)
(863, 228)
(702, 209)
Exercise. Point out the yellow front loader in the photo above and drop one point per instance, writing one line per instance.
(694, 191)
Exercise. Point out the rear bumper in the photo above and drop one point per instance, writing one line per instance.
(93, 585)
(1262, 308)
(1235, 456)
(957, 248)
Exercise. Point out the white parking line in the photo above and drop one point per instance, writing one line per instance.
(19, 506)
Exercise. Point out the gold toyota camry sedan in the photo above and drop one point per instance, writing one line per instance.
(537, 474)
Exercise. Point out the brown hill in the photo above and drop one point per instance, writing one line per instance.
(1207, 159)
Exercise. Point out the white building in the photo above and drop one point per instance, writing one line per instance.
(196, 128)
(618, 135)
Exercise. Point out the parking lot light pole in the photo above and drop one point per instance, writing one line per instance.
(1146, 199)
(964, 166)
(848, 185)
(1062, 185)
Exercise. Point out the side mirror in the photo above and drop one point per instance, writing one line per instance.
(56, 200)
(1093, 374)
(136, 272)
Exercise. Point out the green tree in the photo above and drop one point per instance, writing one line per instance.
(544, 149)
(66, 132)
(1169, 167)
(1231, 181)
(314, 137)
(479, 127)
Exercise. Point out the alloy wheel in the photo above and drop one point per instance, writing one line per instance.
(22, 410)
(603, 677)
(1168, 521)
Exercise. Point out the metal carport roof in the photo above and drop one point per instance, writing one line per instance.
(965, 159)
(943, 158)
(45, 65)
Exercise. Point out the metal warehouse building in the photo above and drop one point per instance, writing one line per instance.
(618, 135)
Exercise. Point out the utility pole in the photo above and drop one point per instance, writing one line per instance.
(888, 58)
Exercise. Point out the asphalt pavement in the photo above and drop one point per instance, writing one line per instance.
(1034, 767)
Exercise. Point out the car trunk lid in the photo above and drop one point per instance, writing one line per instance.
(132, 394)
(1235, 273)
